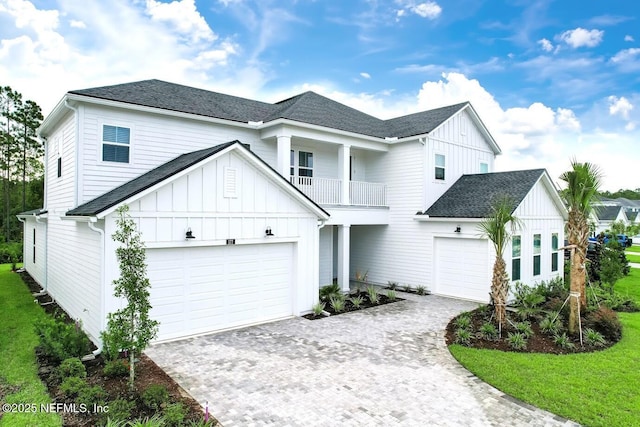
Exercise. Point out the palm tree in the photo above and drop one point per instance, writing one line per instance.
(494, 228)
(583, 183)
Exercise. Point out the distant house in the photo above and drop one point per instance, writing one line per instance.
(247, 208)
(606, 215)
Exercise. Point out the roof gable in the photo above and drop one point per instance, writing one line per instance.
(608, 213)
(104, 204)
(472, 196)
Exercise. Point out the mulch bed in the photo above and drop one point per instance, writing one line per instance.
(539, 342)
(147, 373)
(349, 307)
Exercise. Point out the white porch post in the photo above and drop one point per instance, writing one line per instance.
(344, 235)
(284, 155)
(344, 153)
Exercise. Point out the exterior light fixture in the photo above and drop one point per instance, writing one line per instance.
(268, 232)
(189, 234)
(457, 230)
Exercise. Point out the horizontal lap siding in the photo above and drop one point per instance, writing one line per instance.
(36, 269)
(396, 251)
(74, 272)
(154, 140)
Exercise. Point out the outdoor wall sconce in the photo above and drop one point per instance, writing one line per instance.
(457, 230)
(189, 234)
(268, 232)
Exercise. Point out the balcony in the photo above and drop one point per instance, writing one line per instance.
(328, 191)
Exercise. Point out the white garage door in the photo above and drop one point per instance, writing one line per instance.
(462, 268)
(203, 289)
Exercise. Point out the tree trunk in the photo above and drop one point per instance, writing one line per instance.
(576, 283)
(499, 289)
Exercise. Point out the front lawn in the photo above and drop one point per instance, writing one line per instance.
(633, 248)
(19, 382)
(594, 389)
(633, 258)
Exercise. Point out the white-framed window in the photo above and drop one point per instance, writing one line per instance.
(59, 156)
(302, 163)
(516, 253)
(116, 143)
(484, 167)
(537, 249)
(34, 245)
(554, 252)
(440, 162)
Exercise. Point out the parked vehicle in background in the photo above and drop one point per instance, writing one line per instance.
(624, 240)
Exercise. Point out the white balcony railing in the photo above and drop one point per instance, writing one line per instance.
(328, 191)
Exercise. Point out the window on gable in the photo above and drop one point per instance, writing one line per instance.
(484, 167)
(439, 170)
(115, 144)
(554, 252)
(537, 246)
(516, 251)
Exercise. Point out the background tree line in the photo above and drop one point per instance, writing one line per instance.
(21, 161)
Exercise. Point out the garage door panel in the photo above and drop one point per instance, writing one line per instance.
(202, 289)
(462, 268)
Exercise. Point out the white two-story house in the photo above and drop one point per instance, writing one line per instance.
(247, 208)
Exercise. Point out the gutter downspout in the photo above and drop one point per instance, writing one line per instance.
(77, 148)
(100, 231)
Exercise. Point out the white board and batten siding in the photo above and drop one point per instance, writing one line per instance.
(34, 249)
(464, 148)
(60, 191)
(154, 140)
(216, 285)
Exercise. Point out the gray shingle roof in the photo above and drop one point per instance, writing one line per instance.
(471, 196)
(36, 212)
(308, 107)
(608, 213)
(144, 181)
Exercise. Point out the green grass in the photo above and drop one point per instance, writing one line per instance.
(633, 258)
(594, 389)
(18, 367)
(633, 248)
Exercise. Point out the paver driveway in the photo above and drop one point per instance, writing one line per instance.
(383, 366)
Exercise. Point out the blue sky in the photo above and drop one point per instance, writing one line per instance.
(552, 80)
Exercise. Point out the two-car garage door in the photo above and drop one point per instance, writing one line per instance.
(202, 289)
(463, 268)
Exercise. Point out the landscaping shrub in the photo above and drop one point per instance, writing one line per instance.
(524, 328)
(488, 331)
(391, 295)
(90, 396)
(59, 340)
(517, 341)
(374, 297)
(174, 414)
(563, 341)
(357, 301)
(550, 325)
(337, 303)
(605, 321)
(463, 336)
(155, 396)
(116, 368)
(463, 321)
(11, 253)
(73, 386)
(120, 409)
(594, 338)
(326, 292)
(421, 290)
(71, 367)
(318, 308)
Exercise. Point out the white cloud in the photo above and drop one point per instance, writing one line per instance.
(628, 59)
(77, 24)
(580, 37)
(365, 75)
(428, 9)
(628, 38)
(183, 16)
(546, 45)
(620, 107)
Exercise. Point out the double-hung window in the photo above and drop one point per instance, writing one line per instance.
(305, 164)
(537, 247)
(440, 165)
(516, 252)
(554, 251)
(115, 144)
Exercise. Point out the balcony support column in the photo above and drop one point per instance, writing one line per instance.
(344, 243)
(284, 155)
(344, 168)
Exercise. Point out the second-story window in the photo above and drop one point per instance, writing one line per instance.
(115, 144)
(305, 164)
(440, 164)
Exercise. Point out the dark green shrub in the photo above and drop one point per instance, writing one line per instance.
(60, 340)
(155, 396)
(421, 290)
(110, 348)
(392, 285)
(550, 325)
(11, 253)
(73, 386)
(120, 409)
(605, 321)
(91, 396)
(463, 336)
(337, 303)
(594, 338)
(463, 321)
(116, 368)
(71, 367)
(524, 328)
(174, 414)
(326, 292)
(528, 299)
(563, 341)
(488, 331)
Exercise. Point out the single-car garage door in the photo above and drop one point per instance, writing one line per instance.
(202, 289)
(462, 268)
